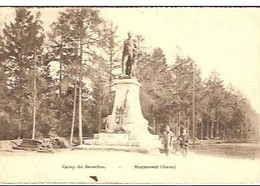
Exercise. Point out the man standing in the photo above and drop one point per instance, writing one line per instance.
(168, 140)
(128, 55)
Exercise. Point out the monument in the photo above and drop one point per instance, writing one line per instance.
(126, 126)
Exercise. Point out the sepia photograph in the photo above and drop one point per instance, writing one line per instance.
(129, 95)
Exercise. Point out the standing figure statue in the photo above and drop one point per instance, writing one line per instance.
(120, 119)
(129, 53)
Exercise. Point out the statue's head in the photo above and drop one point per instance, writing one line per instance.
(130, 34)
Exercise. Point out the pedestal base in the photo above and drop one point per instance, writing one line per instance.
(123, 141)
(126, 126)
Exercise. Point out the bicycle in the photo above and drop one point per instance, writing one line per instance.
(181, 145)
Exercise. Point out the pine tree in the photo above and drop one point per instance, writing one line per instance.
(181, 90)
(111, 47)
(21, 39)
(153, 76)
(81, 29)
(215, 95)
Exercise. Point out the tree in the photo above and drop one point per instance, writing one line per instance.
(6, 130)
(153, 76)
(21, 40)
(63, 49)
(80, 27)
(111, 47)
(181, 90)
(215, 97)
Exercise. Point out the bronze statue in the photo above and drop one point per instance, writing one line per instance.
(129, 53)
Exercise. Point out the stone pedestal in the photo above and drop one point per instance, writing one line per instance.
(127, 97)
(126, 125)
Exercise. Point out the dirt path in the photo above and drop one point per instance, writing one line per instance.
(67, 166)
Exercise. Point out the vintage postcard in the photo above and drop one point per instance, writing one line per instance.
(130, 95)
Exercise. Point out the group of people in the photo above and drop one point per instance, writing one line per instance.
(172, 143)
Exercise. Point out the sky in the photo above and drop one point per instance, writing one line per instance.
(223, 39)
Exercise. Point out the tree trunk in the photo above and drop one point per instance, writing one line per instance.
(201, 130)
(207, 130)
(110, 82)
(188, 127)
(80, 94)
(212, 130)
(74, 111)
(100, 113)
(193, 110)
(20, 104)
(154, 125)
(20, 123)
(224, 130)
(179, 123)
(152, 115)
(61, 58)
(100, 103)
(217, 132)
(60, 87)
(34, 96)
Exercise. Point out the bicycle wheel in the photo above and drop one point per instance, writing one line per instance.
(175, 148)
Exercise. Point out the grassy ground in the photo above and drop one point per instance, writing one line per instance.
(229, 150)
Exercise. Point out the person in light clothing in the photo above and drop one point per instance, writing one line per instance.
(168, 137)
